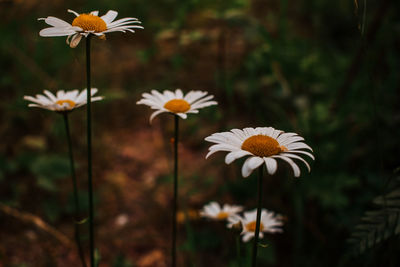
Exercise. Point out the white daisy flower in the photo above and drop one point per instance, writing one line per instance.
(176, 102)
(85, 24)
(62, 101)
(269, 223)
(263, 145)
(215, 212)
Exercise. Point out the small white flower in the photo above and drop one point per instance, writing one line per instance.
(62, 101)
(85, 24)
(176, 102)
(269, 223)
(214, 211)
(263, 145)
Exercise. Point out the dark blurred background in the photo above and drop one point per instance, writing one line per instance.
(328, 70)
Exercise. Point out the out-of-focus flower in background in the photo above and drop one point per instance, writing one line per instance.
(270, 223)
(214, 211)
(176, 102)
(62, 101)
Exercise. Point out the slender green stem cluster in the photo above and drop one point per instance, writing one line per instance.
(75, 189)
(175, 201)
(259, 206)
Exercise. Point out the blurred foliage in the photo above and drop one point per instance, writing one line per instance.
(304, 66)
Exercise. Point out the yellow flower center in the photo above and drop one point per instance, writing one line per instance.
(262, 146)
(251, 227)
(89, 22)
(69, 102)
(177, 106)
(222, 215)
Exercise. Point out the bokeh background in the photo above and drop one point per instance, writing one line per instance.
(328, 70)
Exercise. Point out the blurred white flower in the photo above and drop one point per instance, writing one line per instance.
(62, 101)
(214, 211)
(269, 223)
(176, 102)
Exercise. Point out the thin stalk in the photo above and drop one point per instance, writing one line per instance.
(89, 152)
(238, 253)
(75, 189)
(175, 201)
(257, 232)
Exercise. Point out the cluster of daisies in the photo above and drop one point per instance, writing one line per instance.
(261, 145)
(270, 222)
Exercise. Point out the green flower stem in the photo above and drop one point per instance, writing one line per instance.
(257, 232)
(89, 152)
(175, 201)
(238, 253)
(75, 188)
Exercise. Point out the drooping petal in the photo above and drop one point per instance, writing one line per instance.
(271, 164)
(250, 164)
(155, 114)
(182, 115)
(295, 168)
(297, 157)
(75, 40)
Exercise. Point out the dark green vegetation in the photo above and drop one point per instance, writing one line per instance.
(320, 68)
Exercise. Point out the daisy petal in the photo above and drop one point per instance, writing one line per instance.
(50, 32)
(250, 164)
(109, 16)
(295, 168)
(73, 12)
(297, 157)
(302, 152)
(155, 114)
(298, 145)
(56, 22)
(271, 165)
(75, 40)
(230, 157)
